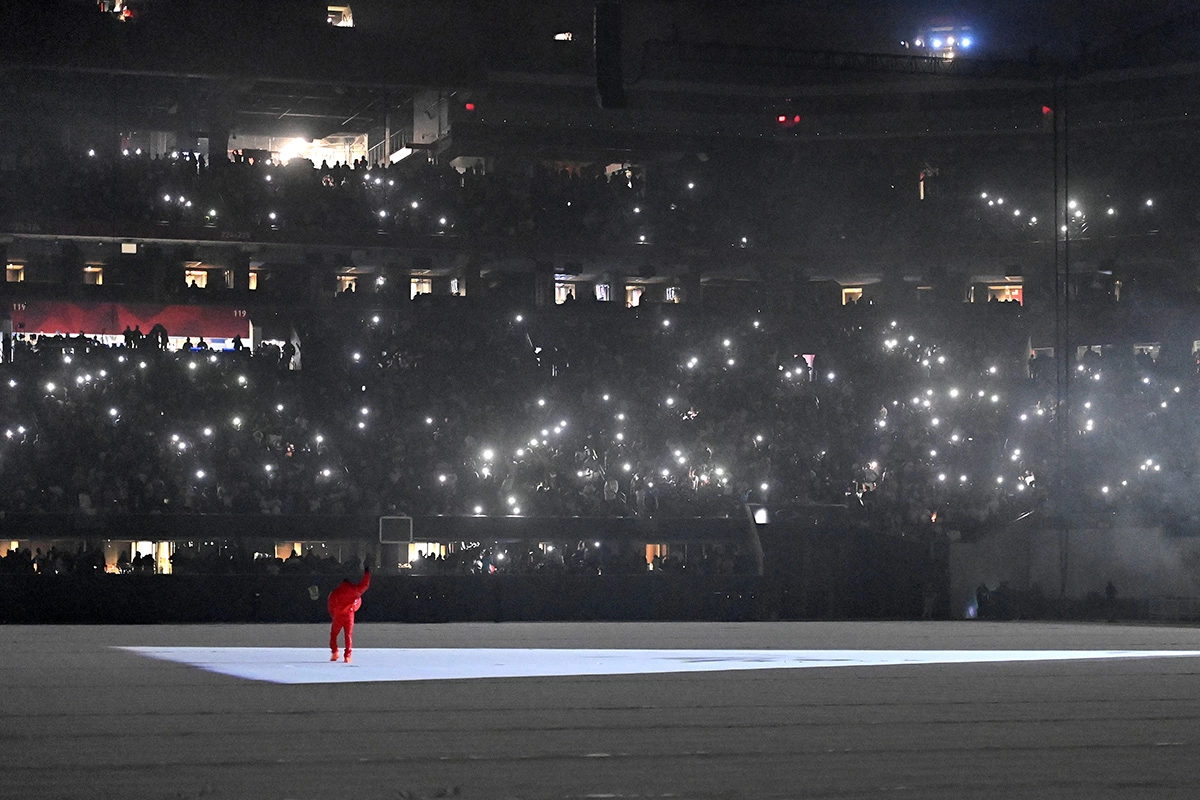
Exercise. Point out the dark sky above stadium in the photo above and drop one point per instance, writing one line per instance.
(519, 33)
(1004, 28)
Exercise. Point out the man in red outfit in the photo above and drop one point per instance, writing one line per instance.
(343, 602)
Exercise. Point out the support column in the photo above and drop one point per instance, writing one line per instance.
(6, 335)
(473, 278)
(239, 262)
(691, 286)
(162, 275)
(390, 557)
(314, 281)
(69, 263)
(387, 138)
(218, 148)
(654, 293)
(616, 287)
(216, 279)
(543, 285)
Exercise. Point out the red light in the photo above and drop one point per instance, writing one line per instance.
(796, 119)
(1047, 110)
(469, 106)
(782, 118)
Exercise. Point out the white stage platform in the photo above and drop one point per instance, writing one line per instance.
(295, 665)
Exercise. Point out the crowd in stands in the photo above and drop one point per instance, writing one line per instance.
(584, 558)
(65, 561)
(445, 412)
(226, 557)
(723, 200)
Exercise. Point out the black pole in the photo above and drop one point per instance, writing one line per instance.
(1064, 350)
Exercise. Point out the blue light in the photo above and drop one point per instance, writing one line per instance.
(966, 43)
(937, 44)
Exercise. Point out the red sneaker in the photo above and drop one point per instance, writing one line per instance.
(347, 658)
(334, 656)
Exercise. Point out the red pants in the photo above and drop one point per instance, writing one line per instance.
(341, 622)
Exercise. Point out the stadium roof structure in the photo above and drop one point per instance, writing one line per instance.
(277, 69)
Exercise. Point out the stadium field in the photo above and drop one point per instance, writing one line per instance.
(546, 710)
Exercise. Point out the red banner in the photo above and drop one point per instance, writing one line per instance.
(93, 319)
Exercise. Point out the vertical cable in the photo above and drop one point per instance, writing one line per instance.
(1062, 415)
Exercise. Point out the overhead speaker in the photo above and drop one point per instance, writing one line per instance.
(610, 85)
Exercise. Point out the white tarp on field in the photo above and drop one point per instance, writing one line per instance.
(295, 665)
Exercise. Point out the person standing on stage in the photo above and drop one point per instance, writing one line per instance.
(343, 602)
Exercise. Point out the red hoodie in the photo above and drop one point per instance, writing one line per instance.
(347, 597)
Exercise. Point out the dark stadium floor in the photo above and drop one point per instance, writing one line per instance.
(82, 718)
